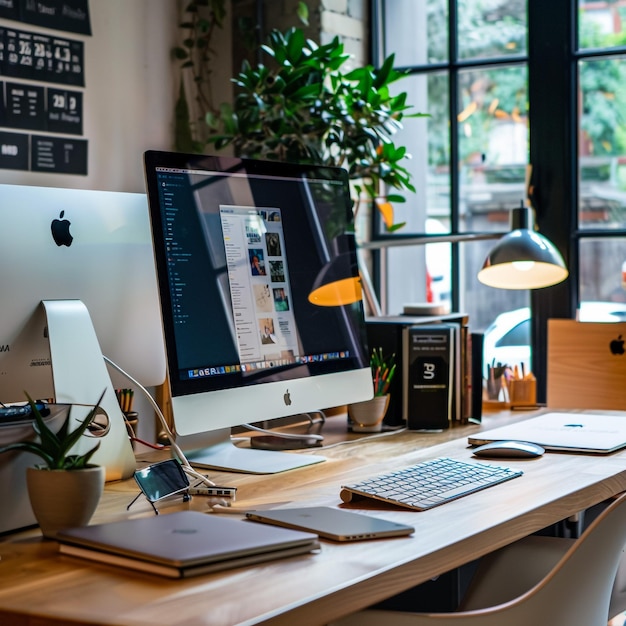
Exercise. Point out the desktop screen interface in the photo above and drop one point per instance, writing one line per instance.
(242, 246)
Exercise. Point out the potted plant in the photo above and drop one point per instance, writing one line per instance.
(367, 416)
(65, 489)
(304, 106)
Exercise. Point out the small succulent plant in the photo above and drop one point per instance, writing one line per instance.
(54, 447)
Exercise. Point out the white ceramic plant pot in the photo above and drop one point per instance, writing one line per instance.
(367, 416)
(64, 498)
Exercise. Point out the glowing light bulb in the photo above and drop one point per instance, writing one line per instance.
(523, 266)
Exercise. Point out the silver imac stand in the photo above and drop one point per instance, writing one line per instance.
(215, 450)
(80, 375)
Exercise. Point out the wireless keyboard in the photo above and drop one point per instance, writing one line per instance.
(429, 483)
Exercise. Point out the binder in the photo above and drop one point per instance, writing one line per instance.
(428, 370)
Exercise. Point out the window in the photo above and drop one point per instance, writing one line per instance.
(508, 83)
(467, 67)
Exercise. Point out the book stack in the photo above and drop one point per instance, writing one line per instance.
(440, 360)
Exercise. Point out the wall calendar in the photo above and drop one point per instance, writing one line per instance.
(41, 91)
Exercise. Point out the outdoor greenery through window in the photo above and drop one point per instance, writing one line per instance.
(469, 156)
(469, 66)
(602, 154)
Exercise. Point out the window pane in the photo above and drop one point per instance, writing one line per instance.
(427, 140)
(491, 28)
(417, 274)
(493, 145)
(417, 32)
(601, 278)
(602, 143)
(601, 24)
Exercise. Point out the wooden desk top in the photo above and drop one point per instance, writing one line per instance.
(40, 587)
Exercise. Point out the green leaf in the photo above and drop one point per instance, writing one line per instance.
(303, 13)
(395, 227)
(383, 74)
(295, 44)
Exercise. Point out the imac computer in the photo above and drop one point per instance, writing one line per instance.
(78, 282)
(240, 247)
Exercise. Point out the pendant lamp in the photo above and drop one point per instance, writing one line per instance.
(523, 259)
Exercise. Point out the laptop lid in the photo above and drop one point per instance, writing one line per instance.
(586, 365)
(185, 539)
(568, 432)
(332, 523)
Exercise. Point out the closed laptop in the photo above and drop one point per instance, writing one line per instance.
(332, 523)
(567, 432)
(184, 543)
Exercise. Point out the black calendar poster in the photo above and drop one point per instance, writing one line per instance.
(24, 106)
(68, 15)
(9, 10)
(14, 151)
(43, 73)
(64, 111)
(60, 155)
(36, 56)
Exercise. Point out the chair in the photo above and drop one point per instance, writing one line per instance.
(537, 580)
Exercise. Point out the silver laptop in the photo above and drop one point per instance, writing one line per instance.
(332, 523)
(184, 543)
(590, 433)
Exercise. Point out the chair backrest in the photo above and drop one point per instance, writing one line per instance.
(577, 591)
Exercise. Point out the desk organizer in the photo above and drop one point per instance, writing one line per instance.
(523, 392)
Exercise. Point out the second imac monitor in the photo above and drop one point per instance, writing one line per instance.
(240, 248)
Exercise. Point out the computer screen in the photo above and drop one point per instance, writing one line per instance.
(240, 248)
(67, 246)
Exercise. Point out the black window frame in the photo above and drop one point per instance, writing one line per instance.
(552, 58)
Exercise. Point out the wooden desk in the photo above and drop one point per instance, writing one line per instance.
(39, 587)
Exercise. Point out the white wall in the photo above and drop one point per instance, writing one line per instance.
(128, 97)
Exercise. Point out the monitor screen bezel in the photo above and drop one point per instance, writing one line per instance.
(155, 160)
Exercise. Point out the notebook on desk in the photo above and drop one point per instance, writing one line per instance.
(568, 432)
(184, 543)
(586, 365)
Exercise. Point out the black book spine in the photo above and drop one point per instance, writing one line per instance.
(476, 342)
(428, 376)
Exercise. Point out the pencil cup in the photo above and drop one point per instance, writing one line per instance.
(523, 392)
(367, 416)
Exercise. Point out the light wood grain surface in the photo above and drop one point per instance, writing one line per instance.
(39, 587)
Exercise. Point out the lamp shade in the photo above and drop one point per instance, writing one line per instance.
(336, 284)
(523, 259)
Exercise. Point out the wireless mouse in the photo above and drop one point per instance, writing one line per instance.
(509, 449)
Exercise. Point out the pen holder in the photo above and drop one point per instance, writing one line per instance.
(523, 392)
(367, 416)
(496, 389)
(496, 394)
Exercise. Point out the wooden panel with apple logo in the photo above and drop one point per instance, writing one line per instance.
(586, 365)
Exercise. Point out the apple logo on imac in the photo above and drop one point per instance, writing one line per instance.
(617, 345)
(60, 228)
(287, 398)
